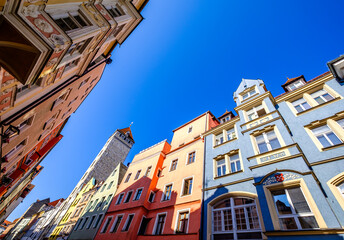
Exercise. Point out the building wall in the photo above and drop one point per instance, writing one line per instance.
(298, 163)
(93, 209)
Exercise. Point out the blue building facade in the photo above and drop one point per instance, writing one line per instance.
(276, 170)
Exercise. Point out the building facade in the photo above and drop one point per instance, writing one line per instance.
(275, 170)
(131, 202)
(61, 49)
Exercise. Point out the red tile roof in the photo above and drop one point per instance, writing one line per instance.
(290, 80)
(125, 130)
(56, 202)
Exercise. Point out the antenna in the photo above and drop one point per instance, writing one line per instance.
(131, 124)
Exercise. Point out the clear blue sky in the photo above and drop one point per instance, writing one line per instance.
(185, 58)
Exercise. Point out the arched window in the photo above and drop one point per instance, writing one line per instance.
(235, 218)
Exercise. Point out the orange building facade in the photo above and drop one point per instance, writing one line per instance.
(166, 202)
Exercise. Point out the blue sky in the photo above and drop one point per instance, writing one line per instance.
(185, 58)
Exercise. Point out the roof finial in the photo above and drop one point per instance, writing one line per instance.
(131, 124)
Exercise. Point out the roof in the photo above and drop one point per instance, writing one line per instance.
(226, 113)
(316, 78)
(54, 203)
(6, 222)
(193, 120)
(291, 80)
(125, 130)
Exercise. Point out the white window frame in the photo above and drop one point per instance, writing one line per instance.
(232, 208)
(187, 157)
(193, 183)
(131, 191)
(91, 221)
(321, 96)
(267, 142)
(156, 224)
(170, 169)
(104, 225)
(217, 166)
(138, 173)
(100, 216)
(147, 173)
(254, 111)
(154, 193)
(126, 222)
(163, 194)
(249, 94)
(114, 223)
(294, 214)
(324, 134)
(177, 218)
(135, 195)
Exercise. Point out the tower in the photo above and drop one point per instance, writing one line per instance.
(113, 152)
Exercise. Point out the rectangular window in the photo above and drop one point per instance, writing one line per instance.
(151, 197)
(98, 221)
(25, 124)
(104, 186)
(326, 136)
(110, 185)
(187, 188)
(267, 141)
(183, 220)
(321, 96)
(106, 225)
(167, 192)
(71, 21)
(116, 11)
(148, 171)
(15, 150)
(128, 222)
(120, 198)
(219, 139)
(234, 161)
(83, 82)
(221, 167)
(255, 112)
(293, 210)
(108, 200)
(160, 224)
(248, 94)
(231, 134)
(191, 157)
(190, 129)
(138, 194)
(137, 174)
(84, 223)
(90, 223)
(174, 165)
(127, 199)
(301, 105)
(128, 177)
(116, 224)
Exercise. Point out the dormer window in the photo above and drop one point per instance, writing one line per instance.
(295, 85)
(248, 94)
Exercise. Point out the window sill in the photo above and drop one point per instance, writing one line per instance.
(229, 174)
(318, 106)
(275, 150)
(225, 142)
(304, 232)
(332, 147)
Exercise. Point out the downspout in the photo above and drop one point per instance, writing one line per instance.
(202, 203)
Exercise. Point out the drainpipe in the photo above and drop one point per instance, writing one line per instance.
(202, 203)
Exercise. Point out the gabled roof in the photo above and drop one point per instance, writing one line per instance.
(291, 80)
(227, 113)
(54, 203)
(125, 130)
(246, 83)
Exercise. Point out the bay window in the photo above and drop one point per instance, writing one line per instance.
(236, 218)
